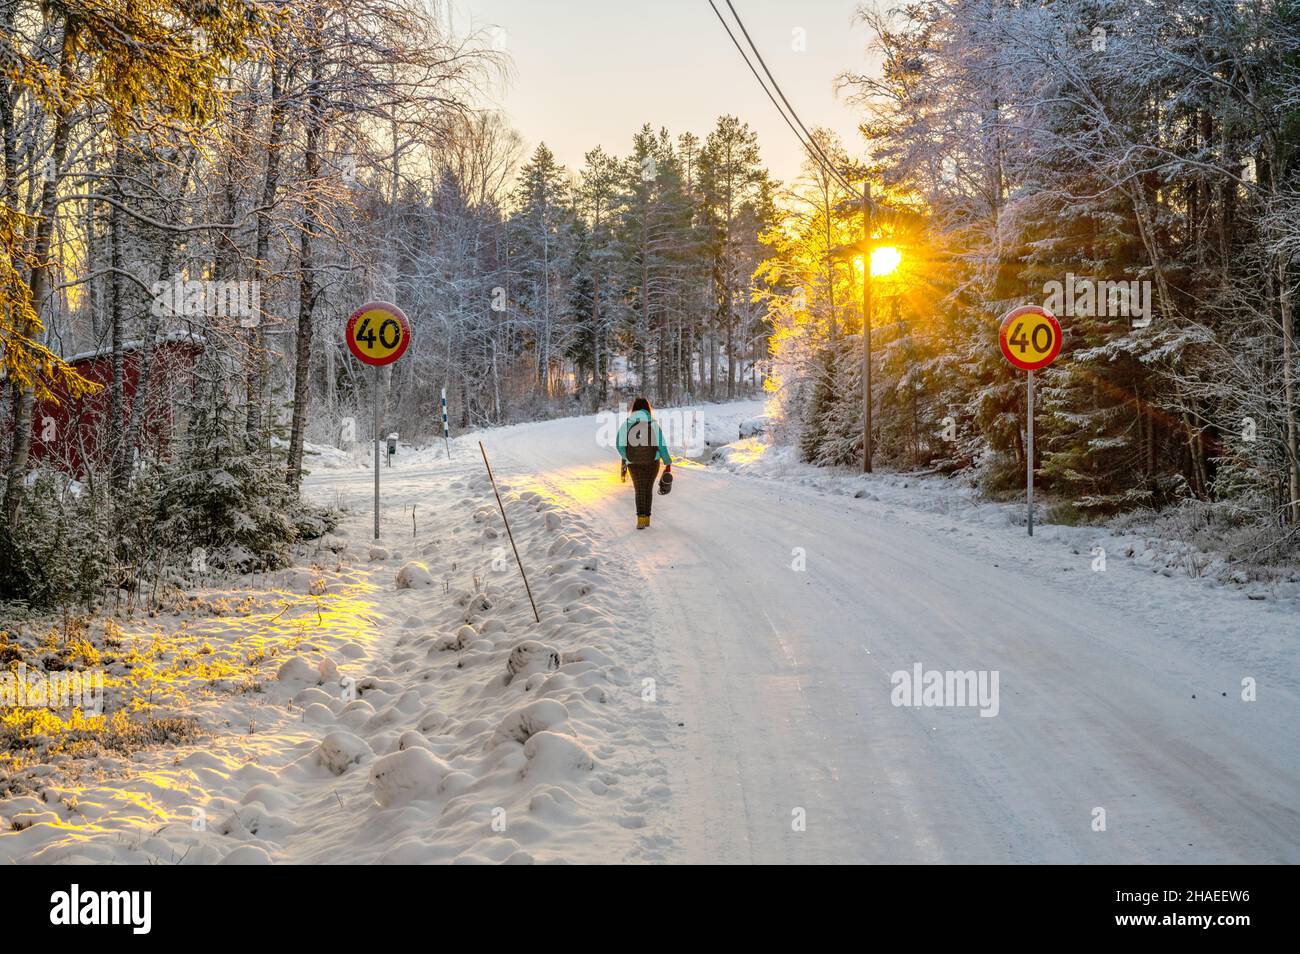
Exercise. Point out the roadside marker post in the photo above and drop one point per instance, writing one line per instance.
(446, 432)
(377, 334)
(1030, 338)
(509, 533)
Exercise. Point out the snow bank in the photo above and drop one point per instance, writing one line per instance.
(957, 499)
(385, 714)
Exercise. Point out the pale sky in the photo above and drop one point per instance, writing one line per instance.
(590, 72)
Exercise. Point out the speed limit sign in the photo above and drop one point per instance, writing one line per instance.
(378, 333)
(1030, 337)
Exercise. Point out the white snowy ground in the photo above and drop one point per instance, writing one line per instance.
(716, 688)
(1120, 690)
(391, 702)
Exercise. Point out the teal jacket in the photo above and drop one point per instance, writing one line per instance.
(634, 418)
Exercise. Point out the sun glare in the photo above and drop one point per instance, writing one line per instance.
(885, 260)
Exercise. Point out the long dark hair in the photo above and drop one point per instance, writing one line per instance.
(641, 404)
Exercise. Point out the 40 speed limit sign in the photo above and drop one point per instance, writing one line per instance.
(1030, 338)
(378, 333)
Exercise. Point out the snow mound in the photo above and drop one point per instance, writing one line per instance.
(247, 855)
(529, 657)
(298, 669)
(412, 575)
(525, 722)
(553, 755)
(406, 775)
(340, 750)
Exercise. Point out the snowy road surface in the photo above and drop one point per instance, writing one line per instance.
(720, 687)
(789, 747)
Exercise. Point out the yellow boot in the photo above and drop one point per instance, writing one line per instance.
(642, 522)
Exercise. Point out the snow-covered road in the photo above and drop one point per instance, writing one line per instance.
(781, 680)
(719, 688)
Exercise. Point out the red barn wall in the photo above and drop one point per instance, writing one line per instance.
(74, 435)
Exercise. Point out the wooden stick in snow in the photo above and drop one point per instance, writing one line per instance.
(506, 521)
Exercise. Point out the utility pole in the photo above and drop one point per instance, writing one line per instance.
(866, 328)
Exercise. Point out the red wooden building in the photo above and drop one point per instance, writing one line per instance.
(74, 435)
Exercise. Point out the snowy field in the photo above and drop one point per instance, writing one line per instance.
(717, 688)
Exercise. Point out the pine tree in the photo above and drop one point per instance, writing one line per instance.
(735, 188)
(540, 252)
(223, 504)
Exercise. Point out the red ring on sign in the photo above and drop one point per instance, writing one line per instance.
(393, 312)
(1005, 327)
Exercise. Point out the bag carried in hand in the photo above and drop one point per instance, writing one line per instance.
(666, 482)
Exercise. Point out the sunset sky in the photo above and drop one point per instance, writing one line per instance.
(590, 72)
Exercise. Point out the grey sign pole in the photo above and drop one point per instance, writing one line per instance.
(378, 404)
(1029, 457)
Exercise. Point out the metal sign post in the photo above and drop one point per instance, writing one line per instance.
(1029, 457)
(377, 334)
(1030, 338)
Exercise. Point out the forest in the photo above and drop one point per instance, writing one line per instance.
(196, 196)
(1132, 166)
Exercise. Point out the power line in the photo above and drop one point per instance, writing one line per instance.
(745, 57)
(825, 159)
(868, 213)
(820, 160)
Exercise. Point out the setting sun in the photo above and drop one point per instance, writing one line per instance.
(885, 260)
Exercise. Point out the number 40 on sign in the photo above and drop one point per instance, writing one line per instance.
(1030, 338)
(377, 334)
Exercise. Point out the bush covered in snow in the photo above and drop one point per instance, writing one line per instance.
(220, 503)
(58, 554)
(225, 496)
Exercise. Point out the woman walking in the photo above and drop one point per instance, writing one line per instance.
(641, 446)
